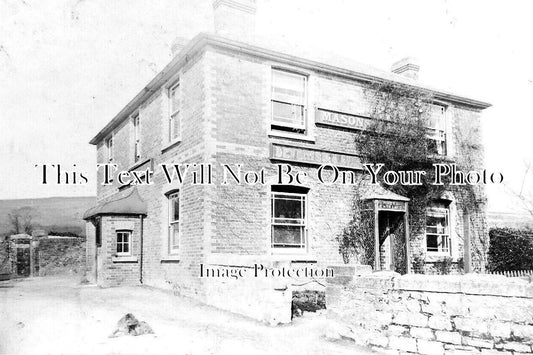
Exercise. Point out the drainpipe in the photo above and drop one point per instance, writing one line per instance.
(141, 254)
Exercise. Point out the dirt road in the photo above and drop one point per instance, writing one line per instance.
(60, 316)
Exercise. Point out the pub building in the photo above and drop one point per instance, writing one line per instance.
(230, 97)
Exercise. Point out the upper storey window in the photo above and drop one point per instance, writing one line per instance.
(109, 149)
(437, 130)
(289, 101)
(174, 121)
(136, 138)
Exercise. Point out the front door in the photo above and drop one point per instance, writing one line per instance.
(392, 251)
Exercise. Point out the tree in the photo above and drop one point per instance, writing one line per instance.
(525, 193)
(22, 220)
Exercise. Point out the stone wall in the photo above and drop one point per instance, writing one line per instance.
(7, 257)
(63, 255)
(469, 314)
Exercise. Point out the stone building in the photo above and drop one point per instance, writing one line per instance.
(231, 98)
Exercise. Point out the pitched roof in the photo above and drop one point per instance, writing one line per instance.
(276, 51)
(127, 202)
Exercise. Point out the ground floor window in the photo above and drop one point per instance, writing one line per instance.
(288, 220)
(173, 222)
(123, 243)
(438, 229)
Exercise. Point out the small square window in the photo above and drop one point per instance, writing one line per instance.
(123, 243)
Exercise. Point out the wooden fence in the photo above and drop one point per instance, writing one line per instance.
(513, 273)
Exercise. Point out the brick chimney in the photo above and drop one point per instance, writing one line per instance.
(178, 44)
(407, 67)
(235, 19)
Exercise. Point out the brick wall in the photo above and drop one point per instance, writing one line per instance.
(471, 314)
(226, 119)
(248, 108)
(180, 272)
(114, 270)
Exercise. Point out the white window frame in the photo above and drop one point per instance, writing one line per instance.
(301, 222)
(136, 121)
(127, 233)
(446, 248)
(174, 113)
(298, 126)
(110, 148)
(439, 134)
(173, 248)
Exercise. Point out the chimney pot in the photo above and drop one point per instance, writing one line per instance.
(407, 67)
(235, 18)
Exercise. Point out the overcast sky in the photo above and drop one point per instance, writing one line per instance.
(68, 66)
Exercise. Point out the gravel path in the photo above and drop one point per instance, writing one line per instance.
(59, 316)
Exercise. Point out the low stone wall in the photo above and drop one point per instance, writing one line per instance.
(63, 255)
(7, 258)
(432, 314)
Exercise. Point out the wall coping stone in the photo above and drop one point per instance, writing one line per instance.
(470, 284)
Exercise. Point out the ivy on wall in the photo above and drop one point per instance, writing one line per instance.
(397, 136)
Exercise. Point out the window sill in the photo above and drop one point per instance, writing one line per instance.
(301, 137)
(138, 164)
(443, 157)
(293, 257)
(124, 259)
(170, 145)
(436, 256)
(170, 259)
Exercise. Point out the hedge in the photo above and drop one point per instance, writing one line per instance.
(510, 249)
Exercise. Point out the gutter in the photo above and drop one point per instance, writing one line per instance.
(204, 39)
(141, 253)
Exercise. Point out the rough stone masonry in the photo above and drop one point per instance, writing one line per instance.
(433, 314)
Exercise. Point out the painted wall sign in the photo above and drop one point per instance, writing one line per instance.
(392, 205)
(313, 156)
(341, 119)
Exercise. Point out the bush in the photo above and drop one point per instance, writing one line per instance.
(510, 249)
(418, 264)
(443, 266)
(307, 301)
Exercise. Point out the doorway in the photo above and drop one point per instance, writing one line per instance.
(392, 249)
(23, 260)
(390, 215)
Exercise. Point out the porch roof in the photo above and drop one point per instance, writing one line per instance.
(127, 202)
(378, 192)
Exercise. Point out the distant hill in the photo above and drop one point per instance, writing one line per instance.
(59, 214)
(510, 220)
